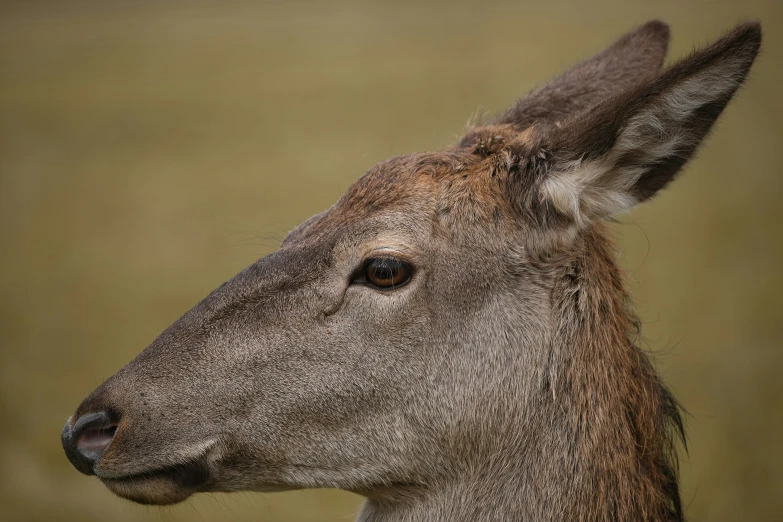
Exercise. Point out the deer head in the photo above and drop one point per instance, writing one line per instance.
(451, 339)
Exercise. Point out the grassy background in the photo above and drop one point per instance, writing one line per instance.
(149, 151)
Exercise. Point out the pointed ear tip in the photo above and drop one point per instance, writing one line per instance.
(744, 42)
(652, 34)
(658, 28)
(746, 35)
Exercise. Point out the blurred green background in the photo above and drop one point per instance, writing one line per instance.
(149, 151)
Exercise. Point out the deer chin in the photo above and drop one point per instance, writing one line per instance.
(161, 486)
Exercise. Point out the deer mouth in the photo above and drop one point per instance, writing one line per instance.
(162, 486)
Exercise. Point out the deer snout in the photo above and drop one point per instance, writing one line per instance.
(87, 439)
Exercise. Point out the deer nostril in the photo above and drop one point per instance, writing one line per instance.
(85, 442)
(96, 439)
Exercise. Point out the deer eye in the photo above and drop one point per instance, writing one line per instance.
(384, 273)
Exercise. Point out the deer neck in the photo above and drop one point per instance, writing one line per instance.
(612, 426)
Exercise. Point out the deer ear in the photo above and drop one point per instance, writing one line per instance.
(633, 58)
(625, 149)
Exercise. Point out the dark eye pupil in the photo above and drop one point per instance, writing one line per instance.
(384, 271)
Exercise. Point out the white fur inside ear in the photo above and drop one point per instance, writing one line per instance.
(599, 187)
(583, 191)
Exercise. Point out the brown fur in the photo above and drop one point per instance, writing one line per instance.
(503, 382)
(623, 420)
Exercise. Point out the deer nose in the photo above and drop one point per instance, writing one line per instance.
(87, 439)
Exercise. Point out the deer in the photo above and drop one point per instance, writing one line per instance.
(453, 339)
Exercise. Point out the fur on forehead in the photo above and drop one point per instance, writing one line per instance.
(463, 185)
(413, 178)
(469, 183)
